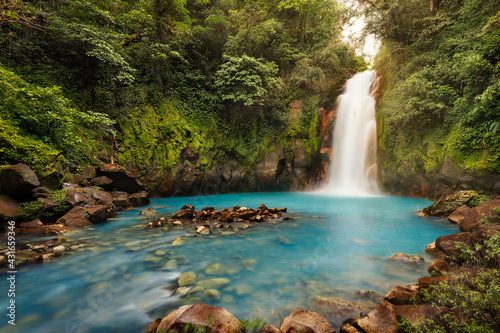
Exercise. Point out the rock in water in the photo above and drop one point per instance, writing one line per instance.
(150, 211)
(403, 257)
(381, 320)
(76, 217)
(306, 322)
(122, 179)
(178, 241)
(203, 230)
(186, 279)
(208, 318)
(17, 181)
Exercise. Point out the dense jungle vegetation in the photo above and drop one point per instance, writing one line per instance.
(440, 63)
(140, 81)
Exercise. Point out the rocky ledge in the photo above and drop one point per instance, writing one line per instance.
(56, 204)
(208, 219)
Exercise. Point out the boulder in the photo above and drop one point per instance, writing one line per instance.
(17, 181)
(380, 320)
(269, 329)
(334, 307)
(149, 212)
(463, 213)
(216, 283)
(486, 210)
(186, 279)
(120, 199)
(153, 327)
(100, 197)
(400, 295)
(140, 198)
(99, 213)
(104, 182)
(434, 251)
(447, 243)
(33, 224)
(203, 230)
(408, 259)
(438, 267)
(8, 206)
(413, 313)
(76, 217)
(76, 196)
(122, 179)
(211, 319)
(427, 281)
(302, 321)
(52, 180)
(89, 173)
(447, 205)
(348, 328)
(40, 192)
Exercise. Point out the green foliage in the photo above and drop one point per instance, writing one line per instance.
(439, 71)
(252, 325)
(29, 211)
(478, 200)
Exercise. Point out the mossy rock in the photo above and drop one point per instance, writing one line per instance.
(448, 204)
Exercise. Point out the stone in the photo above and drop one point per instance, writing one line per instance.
(434, 251)
(45, 257)
(302, 321)
(186, 279)
(76, 196)
(99, 213)
(76, 217)
(243, 289)
(400, 295)
(262, 207)
(216, 283)
(52, 180)
(17, 181)
(203, 230)
(182, 291)
(414, 313)
(348, 328)
(463, 213)
(215, 269)
(380, 320)
(249, 262)
(33, 224)
(56, 229)
(138, 199)
(171, 265)
(40, 192)
(439, 267)
(210, 318)
(178, 241)
(59, 248)
(120, 199)
(334, 307)
(212, 293)
(100, 197)
(188, 208)
(149, 212)
(122, 179)
(449, 204)
(8, 206)
(269, 329)
(447, 243)
(408, 259)
(89, 173)
(153, 327)
(427, 281)
(104, 182)
(284, 240)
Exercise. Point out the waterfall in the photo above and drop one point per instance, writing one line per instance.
(353, 169)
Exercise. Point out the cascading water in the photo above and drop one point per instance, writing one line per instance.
(353, 169)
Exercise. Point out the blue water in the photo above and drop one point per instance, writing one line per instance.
(334, 246)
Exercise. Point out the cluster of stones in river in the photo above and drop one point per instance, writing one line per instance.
(208, 218)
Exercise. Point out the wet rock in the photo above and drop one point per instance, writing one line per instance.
(212, 294)
(59, 248)
(408, 259)
(203, 230)
(215, 269)
(243, 289)
(182, 291)
(17, 181)
(139, 199)
(8, 206)
(33, 224)
(104, 182)
(122, 179)
(348, 328)
(186, 279)
(380, 320)
(249, 262)
(178, 241)
(434, 251)
(46, 257)
(334, 307)
(463, 213)
(153, 327)
(149, 212)
(284, 240)
(99, 213)
(400, 295)
(120, 199)
(302, 321)
(56, 229)
(447, 243)
(171, 265)
(76, 217)
(439, 267)
(211, 318)
(216, 283)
